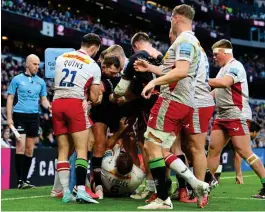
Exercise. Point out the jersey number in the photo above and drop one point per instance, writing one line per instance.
(68, 84)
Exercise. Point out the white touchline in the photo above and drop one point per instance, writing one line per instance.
(30, 197)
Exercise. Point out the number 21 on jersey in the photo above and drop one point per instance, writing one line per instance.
(68, 75)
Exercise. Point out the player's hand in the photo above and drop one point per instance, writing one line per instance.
(100, 97)
(123, 124)
(148, 89)
(141, 65)
(50, 108)
(113, 99)
(10, 122)
(121, 100)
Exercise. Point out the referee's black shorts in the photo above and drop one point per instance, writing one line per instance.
(27, 123)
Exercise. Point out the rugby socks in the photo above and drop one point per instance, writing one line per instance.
(262, 180)
(182, 182)
(181, 169)
(208, 176)
(63, 169)
(96, 166)
(88, 168)
(158, 169)
(26, 167)
(19, 166)
(81, 171)
(57, 184)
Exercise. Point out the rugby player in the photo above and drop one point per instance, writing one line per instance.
(76, 74)
(174, 105)
(234, 115)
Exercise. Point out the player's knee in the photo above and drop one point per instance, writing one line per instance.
(252, 159)
(124, 163)
(214, 151)
(20, 147)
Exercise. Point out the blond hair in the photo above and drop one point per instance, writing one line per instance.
(223, 44)
(185, 10)
(115, 50)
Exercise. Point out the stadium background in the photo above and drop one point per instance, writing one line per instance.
(32, 26)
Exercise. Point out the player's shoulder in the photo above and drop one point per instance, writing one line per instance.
(19, 76)
(40, 80)
(236, 64)
(187, 38)
(140, 54)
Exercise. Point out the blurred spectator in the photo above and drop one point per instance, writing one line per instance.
(6, 142)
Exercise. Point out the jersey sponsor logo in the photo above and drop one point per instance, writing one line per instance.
(77, 57)
(185, 50)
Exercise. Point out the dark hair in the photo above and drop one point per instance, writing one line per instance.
(254, 127)
(91, 39)
(139, 36)
(110, 60)
(124, 163)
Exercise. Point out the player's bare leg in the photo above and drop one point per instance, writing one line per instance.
(217, 142)
(199, 161)
(241, 144)
(100, 133)
(237, 162)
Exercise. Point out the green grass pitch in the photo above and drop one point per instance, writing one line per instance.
(226, 197)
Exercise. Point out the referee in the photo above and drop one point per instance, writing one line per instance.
(29, 89)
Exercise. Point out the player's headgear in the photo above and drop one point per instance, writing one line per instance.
(124, 163)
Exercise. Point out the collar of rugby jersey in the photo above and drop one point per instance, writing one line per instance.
(187, 32)
(230, 61)
(82, 51)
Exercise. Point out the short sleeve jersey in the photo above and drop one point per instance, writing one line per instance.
(232, 102)
(203, 96)
(114, 182)
(185, 47)
(74, 73)
(29, 89)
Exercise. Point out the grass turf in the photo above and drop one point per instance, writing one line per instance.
(226, 197)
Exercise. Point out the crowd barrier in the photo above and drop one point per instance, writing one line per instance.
(42, 168)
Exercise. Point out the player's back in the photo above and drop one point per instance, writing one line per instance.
(74, 72)
(203, 96)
